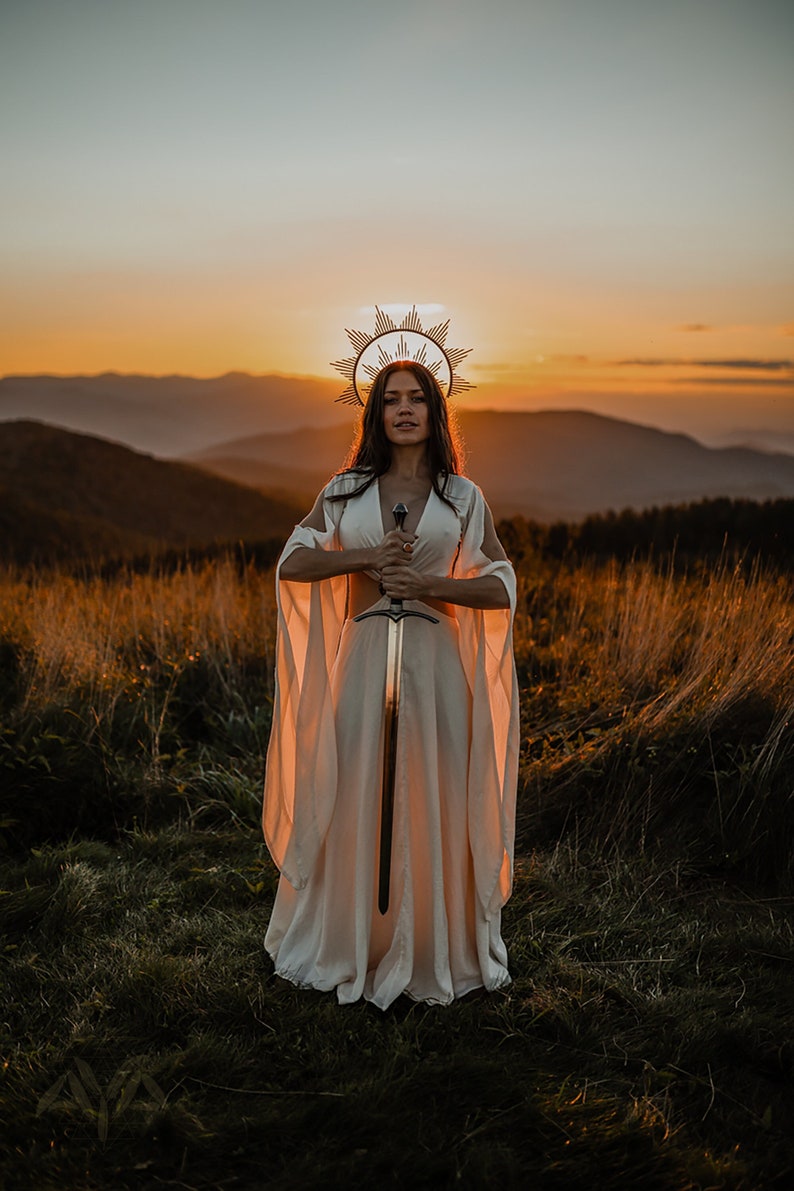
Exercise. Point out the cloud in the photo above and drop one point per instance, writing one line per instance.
(695, 327)
(752, 365)
(744, 365)
(788, 329)
(639, 363)
(755, 382)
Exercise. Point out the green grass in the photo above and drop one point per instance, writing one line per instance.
(646, 1041)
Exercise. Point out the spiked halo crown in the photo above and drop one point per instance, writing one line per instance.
(393, 343)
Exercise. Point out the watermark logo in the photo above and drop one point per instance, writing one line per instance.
(103, 1105)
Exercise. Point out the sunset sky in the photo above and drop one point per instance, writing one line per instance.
(599, 193)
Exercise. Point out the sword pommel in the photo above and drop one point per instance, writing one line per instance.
(399, 512)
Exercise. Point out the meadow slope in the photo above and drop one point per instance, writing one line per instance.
(645, 1041)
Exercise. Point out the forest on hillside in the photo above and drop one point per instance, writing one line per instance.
(700, 533)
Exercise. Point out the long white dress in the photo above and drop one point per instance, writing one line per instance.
(455, 784)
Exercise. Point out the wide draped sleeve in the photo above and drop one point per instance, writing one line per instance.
(486, 645)
(301, 769)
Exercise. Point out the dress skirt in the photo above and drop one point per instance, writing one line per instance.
(434, 943)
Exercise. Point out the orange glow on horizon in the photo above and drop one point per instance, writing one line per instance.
(552, 348)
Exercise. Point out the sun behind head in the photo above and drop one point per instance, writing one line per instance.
(392, 343)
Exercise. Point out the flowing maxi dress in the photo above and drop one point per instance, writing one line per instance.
(457, 745)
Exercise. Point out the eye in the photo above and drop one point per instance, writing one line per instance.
(418, 399)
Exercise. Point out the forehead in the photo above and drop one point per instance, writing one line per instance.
(403, 381)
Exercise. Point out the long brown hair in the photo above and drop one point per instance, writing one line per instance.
(371, 451)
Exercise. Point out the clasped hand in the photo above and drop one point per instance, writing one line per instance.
(398, 579)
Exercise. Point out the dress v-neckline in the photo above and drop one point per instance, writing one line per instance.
(376, 486)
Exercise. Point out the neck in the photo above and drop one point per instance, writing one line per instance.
(410, 463)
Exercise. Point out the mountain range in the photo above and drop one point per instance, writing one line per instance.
(559, 464)
(171, 415)
(284, 437)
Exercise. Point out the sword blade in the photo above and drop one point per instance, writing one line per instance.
(391, 719)
(395, 615)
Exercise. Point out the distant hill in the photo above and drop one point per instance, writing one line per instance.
(285, 436)
(66, 495)
(171, 415)
(552, 465)
(296, 463)
(772, 441)
(570, 464)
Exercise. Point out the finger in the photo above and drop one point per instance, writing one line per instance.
(396, 591)
(398, 575)
(393, 571)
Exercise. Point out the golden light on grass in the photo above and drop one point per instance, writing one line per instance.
(647, 648)
(100, 638)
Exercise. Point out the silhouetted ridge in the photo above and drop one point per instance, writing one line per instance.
(67, 495)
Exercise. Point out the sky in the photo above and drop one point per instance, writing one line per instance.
(598, 193)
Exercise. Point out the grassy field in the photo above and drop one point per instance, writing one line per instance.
(646, 1041)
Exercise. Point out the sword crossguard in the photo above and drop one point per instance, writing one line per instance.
(396, 612)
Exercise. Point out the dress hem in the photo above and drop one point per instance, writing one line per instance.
(498, 985)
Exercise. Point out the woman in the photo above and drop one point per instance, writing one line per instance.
(453, 826)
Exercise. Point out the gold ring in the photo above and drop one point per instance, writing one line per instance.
(407, 547)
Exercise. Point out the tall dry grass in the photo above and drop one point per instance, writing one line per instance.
(99, 637)
(118, 695)
(656, 702)
(632, 634)
(652, 703)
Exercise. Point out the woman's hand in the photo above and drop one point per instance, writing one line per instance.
(401, 582)
(392, 553)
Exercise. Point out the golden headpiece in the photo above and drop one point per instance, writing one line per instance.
(394, 343)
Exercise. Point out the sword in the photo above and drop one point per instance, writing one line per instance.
(391, 715)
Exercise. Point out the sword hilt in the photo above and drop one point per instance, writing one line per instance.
(399, 513)
(395, 610)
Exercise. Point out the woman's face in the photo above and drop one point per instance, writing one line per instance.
(406, 418)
